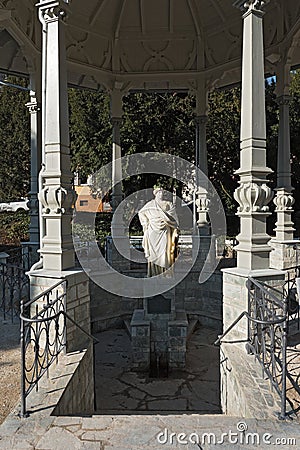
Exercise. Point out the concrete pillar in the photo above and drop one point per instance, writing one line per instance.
(284, 254)
(253, 194)
(202, 200)
(284, 199)
(120, 243)
(116, 119)
(35, 158)
(57, 196)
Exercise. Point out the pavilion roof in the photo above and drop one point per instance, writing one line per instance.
(154, 44)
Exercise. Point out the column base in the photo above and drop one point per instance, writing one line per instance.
(284, 254)
(158, 341)
(235, 296)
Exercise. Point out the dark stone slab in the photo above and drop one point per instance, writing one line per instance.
(158, 305)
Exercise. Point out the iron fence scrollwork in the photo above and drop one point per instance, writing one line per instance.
(14, 287)
(267, 334)
(43, 336)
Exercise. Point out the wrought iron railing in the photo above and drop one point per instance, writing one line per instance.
(43, 336)
(267, 333)
(43, 329)
(14, 286)
(20, 256)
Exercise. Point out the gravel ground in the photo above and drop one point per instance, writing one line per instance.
(9, 366)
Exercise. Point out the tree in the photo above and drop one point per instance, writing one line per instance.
(90, 131)
(14, 141)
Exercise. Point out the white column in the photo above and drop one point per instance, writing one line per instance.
(57, 196)
(35, 166)
(253, 194)
(116, 119)
(202, 201)
(284, 199)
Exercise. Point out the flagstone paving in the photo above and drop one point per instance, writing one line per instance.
(194, 389)
(162, 425)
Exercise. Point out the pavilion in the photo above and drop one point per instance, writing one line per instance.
(120, 46)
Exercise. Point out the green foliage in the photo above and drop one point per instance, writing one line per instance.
(90, 131)
(14, 141)
(223, 130)
(152, 122)
(295, 135)
(83, 231)
(14, 227)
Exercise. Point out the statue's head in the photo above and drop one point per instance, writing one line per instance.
(158, 192)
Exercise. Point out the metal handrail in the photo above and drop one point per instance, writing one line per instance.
(14, 285)
(280, 319)
(261, 286)
(31, 331)
(259, 342)
(45, 293)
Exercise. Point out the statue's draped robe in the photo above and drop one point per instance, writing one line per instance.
(160, 225)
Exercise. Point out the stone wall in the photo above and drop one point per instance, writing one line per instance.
(201, 301)
(244, 392)
(235, 296)
(78, 395)
(77, 301)
(68, 388)
(109, 310)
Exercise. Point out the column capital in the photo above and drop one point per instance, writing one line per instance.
(33, 106)
(52, 10)
(251, 5)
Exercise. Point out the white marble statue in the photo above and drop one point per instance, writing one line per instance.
(160, 226)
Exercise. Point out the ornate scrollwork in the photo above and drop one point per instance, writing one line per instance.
(283, 201)
(57, 199)
(33, 107)
(33, 203)
(255, 4)
(52, 10)
(253, 197)
(202, 203)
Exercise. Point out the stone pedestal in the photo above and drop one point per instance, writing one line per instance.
(140, 340)
(284, 254)
(235, 297)
(158, 335)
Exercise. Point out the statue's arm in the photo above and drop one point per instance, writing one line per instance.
(143, 220)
